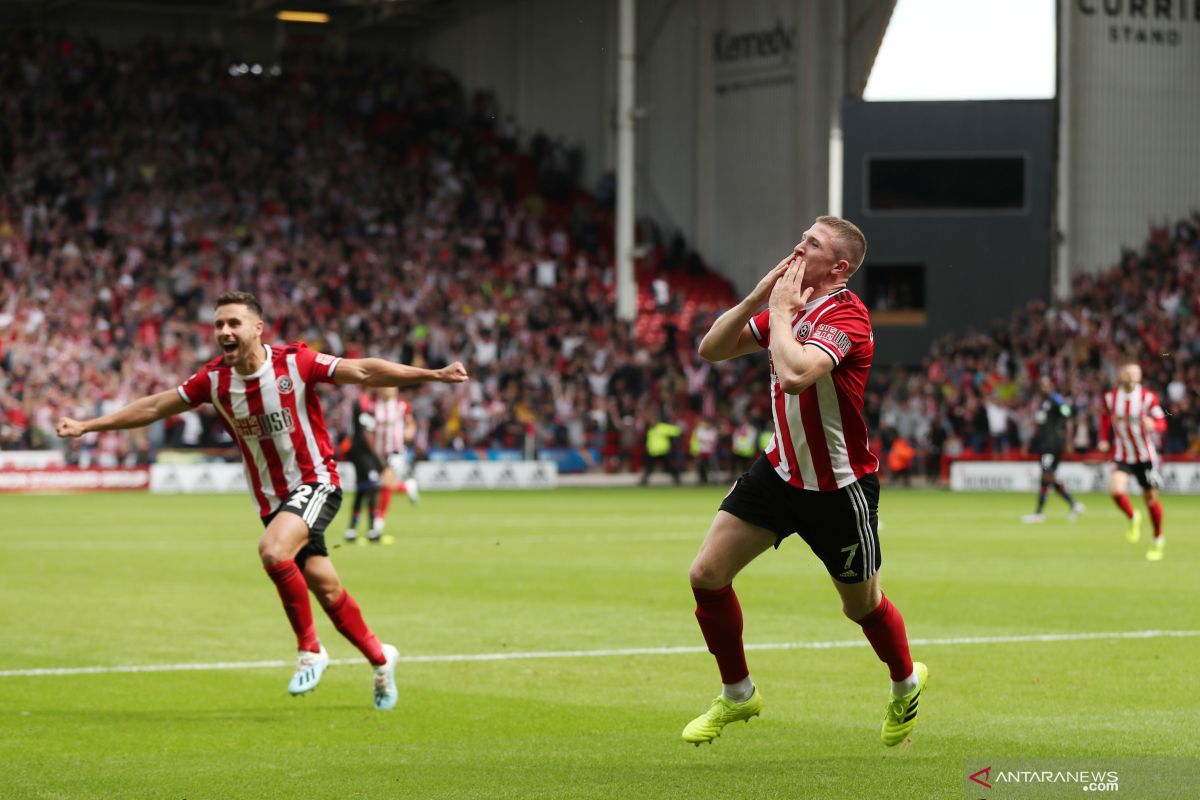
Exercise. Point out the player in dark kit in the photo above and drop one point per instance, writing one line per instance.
(368, 467)
(1050, 438)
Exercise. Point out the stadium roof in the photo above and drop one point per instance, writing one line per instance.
(353, 14)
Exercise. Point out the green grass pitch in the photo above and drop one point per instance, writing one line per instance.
(124, 580)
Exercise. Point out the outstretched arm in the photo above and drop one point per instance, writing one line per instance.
(730, 335)
(380, 372)
(138, 413)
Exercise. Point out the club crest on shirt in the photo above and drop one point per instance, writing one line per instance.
(803, 332)
(284, 384)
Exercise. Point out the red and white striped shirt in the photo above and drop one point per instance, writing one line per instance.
(1124, 413)
(390, 418)
(820, 441)
(275, 417)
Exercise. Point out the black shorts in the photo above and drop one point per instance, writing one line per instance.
(367, 469)
(1049, 461)
(1144, 472)
(841, 527)
(317, 504)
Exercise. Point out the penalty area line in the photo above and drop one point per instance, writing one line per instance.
(603, 653)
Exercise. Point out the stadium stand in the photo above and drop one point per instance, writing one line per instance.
(973, 394)
(375, 207)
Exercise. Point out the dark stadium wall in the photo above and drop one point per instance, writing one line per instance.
(1129, 84)
(247, 39)
(955, 201)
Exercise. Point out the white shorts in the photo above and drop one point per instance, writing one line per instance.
(398, 462)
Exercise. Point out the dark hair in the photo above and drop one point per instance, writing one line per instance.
(243, 298)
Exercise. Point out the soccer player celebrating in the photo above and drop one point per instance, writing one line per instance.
(1130, 413)
(817, 476)
(1053, 419)
(265, 396)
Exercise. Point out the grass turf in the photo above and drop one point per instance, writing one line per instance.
(112, 580)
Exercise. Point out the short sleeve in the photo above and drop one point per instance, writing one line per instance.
(845, 329)
(315, 367)
(760, 326)
(197, 389)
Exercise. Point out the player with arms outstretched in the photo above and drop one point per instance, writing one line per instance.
(1053, 432)
(1131, 412)
(817, 476)
(265, 396)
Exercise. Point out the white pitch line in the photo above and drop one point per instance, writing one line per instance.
(626, 651)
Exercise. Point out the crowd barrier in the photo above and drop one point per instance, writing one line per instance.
(75, 479)
(432, 476)
(1179, 477)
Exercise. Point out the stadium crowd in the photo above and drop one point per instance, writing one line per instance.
(376, 208)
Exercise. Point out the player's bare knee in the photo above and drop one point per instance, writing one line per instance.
(271, 553)
(705, 575)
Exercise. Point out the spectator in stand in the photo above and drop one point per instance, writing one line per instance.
(703, 448)
(659, 448)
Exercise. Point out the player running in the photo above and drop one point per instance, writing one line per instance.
(265, 396)
(395, 429)
(817, 476)
(1130, 413)
(1053, 432)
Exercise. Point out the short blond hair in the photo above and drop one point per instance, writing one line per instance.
(852, 245)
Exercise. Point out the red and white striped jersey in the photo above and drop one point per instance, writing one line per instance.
(390, 416)
(820, 440)
(1124, 413)
(275, 417)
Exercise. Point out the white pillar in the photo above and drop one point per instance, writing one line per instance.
(626, 55)
(1060, 236)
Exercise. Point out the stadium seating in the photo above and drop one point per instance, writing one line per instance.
(376, 208)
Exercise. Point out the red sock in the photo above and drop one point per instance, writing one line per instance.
(1156, 516)
(347, 618)
(1122, 501)
(720, 618)
(293, 591)
(401, 488)
(884, 629)
(385, 498)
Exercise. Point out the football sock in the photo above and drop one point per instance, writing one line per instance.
(293, 591)
(901, 688)
(1122, 501)
(1041, 504)
(738, 692)
(1064, 494)
(884, 629)
(385, 500)
(720, 618)
(347, 618)
(1156, 516)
